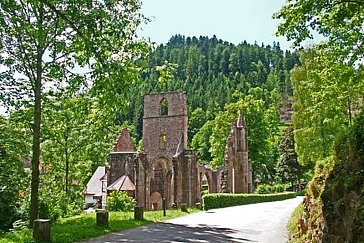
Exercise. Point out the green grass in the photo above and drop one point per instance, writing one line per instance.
(293, 224)
(83, 226)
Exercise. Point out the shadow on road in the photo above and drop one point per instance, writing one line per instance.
(166, 232)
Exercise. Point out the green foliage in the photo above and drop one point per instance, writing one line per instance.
(328, 90)
(120, 201)
(261, 118)
(344, 187)
(166, 72)
(201, 143)
(288, 167)
(75, 143)
(269, 189)
(340, 21)
(13, 179)
(263, 189)
(260, 129)
(195, 121)
(44, 43)
(222, 200)
(326, 94)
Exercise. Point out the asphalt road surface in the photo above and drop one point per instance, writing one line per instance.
(262, 222)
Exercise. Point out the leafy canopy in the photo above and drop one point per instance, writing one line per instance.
(341, 21)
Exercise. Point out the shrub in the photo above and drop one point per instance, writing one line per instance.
(266, 189)
(120, 201)
(263, 189)
(279, 188)
(301, 193)
(222, 200)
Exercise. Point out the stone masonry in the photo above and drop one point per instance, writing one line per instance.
(167, 168)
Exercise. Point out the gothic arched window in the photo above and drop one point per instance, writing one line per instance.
(164, 107)
(162, 141)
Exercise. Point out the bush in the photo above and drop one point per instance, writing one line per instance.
(120, 201)
(263, 189)
(279, 188)
(222, 200)
(267, 189)
(301, 193)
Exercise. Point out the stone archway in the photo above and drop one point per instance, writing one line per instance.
(205, 182)
(160, 181)
(156, 200)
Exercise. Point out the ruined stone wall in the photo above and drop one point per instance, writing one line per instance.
(237, 164)
(186, 186)
(166, 168)
(123, 142)
(120, 163)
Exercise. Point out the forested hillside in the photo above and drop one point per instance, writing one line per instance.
(221, 80)
(210, 71)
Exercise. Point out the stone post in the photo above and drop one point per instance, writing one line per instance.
(138, 213)
(102, 218)
(42, 230)
(164, 206)
(184, 207)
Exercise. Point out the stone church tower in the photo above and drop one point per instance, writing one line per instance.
(165, 119)
(167, 169)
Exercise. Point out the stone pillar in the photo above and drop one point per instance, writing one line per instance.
(175, 180)
(42, 230)
(184, 207)
(102, 218)
(189, 172)
(138, 213)
(138, 188)
(250, 177)
(147, 189)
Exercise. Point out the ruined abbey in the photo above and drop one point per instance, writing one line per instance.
(166, 168)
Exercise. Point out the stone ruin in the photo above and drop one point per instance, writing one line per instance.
(167, 168)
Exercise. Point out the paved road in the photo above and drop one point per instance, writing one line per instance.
(262, 222)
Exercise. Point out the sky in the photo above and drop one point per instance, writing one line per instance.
(230, 20)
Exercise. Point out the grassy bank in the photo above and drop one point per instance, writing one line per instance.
(83, 226)
(292, 224)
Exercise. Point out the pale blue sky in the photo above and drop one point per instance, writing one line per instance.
(230, 20)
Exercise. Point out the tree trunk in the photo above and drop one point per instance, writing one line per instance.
(349, 110)
(36, 142)
(34, 197)
(67, 175)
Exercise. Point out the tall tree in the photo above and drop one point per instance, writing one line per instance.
(43, 41)
(326, 94)
(288, 168)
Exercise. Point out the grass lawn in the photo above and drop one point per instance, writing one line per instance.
(83, 226)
